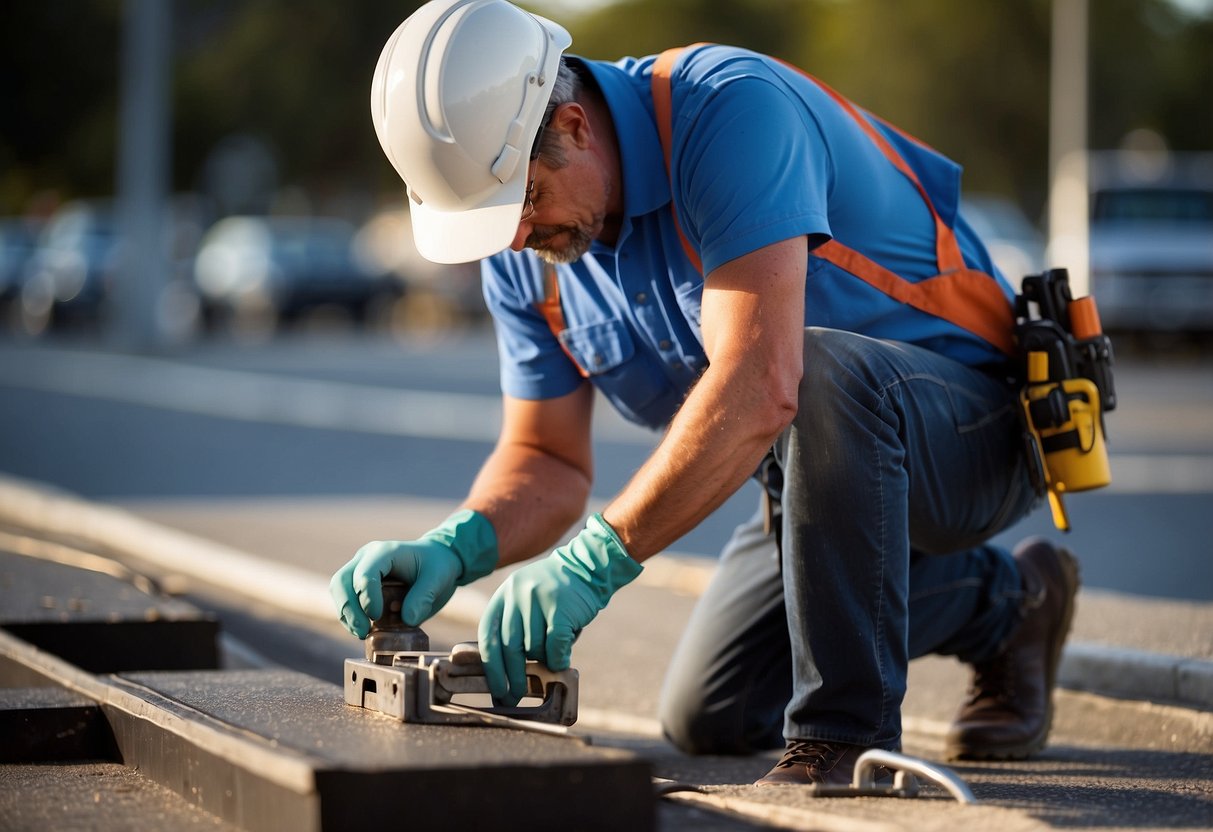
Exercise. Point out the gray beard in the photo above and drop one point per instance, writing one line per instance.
(578, 244)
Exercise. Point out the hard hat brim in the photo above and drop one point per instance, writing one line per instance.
(466, 236)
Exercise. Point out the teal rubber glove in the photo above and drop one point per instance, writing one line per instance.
(541, 609)
(458, 552)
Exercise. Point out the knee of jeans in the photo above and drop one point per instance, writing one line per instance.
(693, 727)
(688, 722)
(839, 369)
(827, 351)
(700, 732)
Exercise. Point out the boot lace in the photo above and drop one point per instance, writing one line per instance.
(810, 753)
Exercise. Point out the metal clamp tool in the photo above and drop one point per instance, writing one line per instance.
(419, 686)
(905, 771)
(402, 678)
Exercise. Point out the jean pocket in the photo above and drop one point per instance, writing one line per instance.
(977, 407)
(987, 414)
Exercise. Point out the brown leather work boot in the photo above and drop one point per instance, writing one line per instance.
(812, 761)
(1009, 709)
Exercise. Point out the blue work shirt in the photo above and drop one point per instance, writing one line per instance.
(760, 154)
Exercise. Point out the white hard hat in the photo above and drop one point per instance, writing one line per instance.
(457, 100)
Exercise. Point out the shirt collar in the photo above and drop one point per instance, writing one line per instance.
(646, 184)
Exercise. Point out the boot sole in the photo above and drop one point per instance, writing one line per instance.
(1020, 751)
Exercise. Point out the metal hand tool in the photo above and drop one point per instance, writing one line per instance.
(904, 784)
(402, 678)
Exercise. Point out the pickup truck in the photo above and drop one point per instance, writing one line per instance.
(1152, 244)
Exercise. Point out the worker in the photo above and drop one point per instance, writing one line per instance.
(783, 284)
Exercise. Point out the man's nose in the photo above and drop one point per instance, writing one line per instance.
(520, 237)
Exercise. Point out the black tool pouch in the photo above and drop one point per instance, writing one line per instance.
(1065, 371)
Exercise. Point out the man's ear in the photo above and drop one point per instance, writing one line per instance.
(571, 121)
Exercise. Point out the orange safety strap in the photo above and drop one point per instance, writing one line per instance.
(962, 296)
(663, 103)
(553, 313)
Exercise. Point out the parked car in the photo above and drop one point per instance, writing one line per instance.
(263, 271)
(1152, 243)
(1015, 244)
(439, 296)
(69, 275)
(18, 242)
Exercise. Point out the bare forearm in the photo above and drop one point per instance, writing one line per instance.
(714, 444)
(530, 497)
(753, 328)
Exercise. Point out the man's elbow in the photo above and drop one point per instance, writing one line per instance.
(783, 412)
(779, 404)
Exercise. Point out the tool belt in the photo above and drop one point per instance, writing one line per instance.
(1065, 363)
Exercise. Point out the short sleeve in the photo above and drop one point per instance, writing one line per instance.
(533, 365)
(752, 168)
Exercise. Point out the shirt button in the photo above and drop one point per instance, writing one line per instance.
(598, 360)
(676, 365)
(665, 345)
(641, 297)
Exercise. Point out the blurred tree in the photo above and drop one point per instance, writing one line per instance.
(1152, 67)
(295, 73)
(642, 27)
(968, 78)
(971, 79)
(59, 73)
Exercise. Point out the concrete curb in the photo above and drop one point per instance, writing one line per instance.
(62, 516)
(52, 513)
(1137, 674)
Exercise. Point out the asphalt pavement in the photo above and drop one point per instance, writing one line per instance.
(1132, 745)
(1120, 756)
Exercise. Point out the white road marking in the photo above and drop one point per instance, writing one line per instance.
(1161, 473)
(386, 411)
(271, 399)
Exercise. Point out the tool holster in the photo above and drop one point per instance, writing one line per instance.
(1065, 366)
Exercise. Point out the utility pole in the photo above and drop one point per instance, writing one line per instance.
(143, 165)
(1069, 194)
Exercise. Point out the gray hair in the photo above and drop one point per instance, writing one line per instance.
(565, 90)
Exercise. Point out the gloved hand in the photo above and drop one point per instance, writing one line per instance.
(541, 609)
(457, 552)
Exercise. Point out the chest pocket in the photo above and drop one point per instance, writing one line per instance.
(606, 354)
(598, 348)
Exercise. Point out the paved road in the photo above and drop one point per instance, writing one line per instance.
(299, 451)
(258, 430)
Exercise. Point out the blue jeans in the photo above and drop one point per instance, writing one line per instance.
(900, 464)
